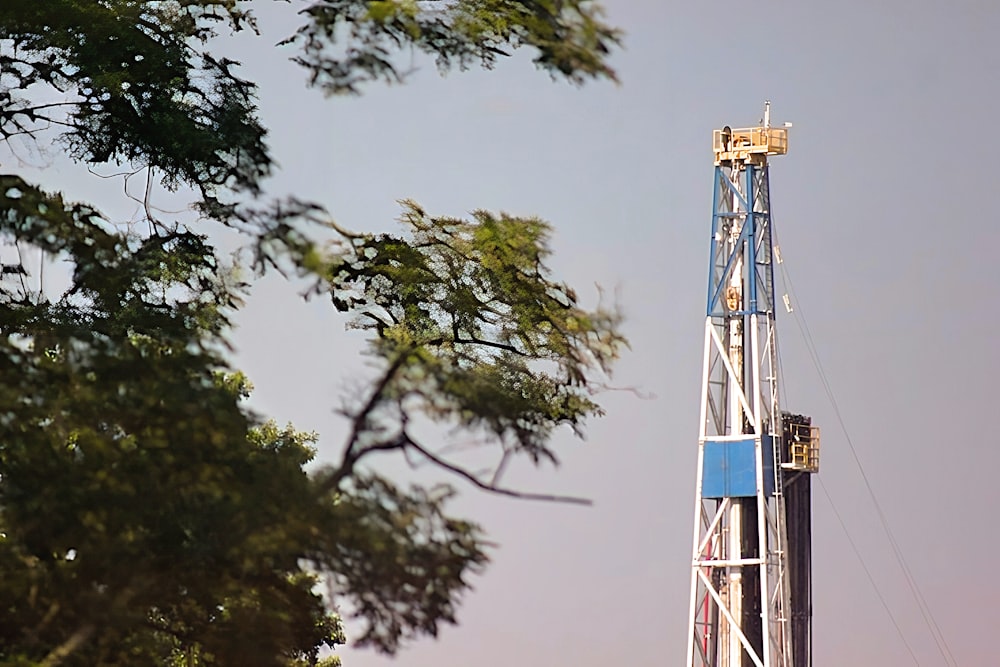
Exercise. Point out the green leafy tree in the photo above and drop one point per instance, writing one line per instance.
(146, 516)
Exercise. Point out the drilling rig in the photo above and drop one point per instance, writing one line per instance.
(751, 583)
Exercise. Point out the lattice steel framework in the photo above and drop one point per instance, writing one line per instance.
(739, 608)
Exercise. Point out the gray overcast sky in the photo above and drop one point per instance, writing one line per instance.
(882, 211)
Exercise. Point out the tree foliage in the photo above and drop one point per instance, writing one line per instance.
(473, 331)
(148, 517)
(567, 37)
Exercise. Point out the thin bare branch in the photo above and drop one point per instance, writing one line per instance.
(57, 655)
(486, 343)
(475, 481)
(501, 467)
(351, 459)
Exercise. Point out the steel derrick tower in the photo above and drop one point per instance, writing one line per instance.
(751, 598)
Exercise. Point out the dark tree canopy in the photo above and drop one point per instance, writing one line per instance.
(147, 517)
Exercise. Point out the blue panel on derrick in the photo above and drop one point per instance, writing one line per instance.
(730, 468)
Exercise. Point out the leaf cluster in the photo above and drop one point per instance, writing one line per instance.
(133, 82)
(472, 328)
(167, 287)
(348, 43)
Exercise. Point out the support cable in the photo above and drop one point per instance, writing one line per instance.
(857, 552)
(925, 611)
(864, 566)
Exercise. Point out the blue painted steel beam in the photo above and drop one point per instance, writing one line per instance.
(756, 223)
(715, 230)
(738, 250)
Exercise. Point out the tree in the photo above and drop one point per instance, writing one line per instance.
(146, 516)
